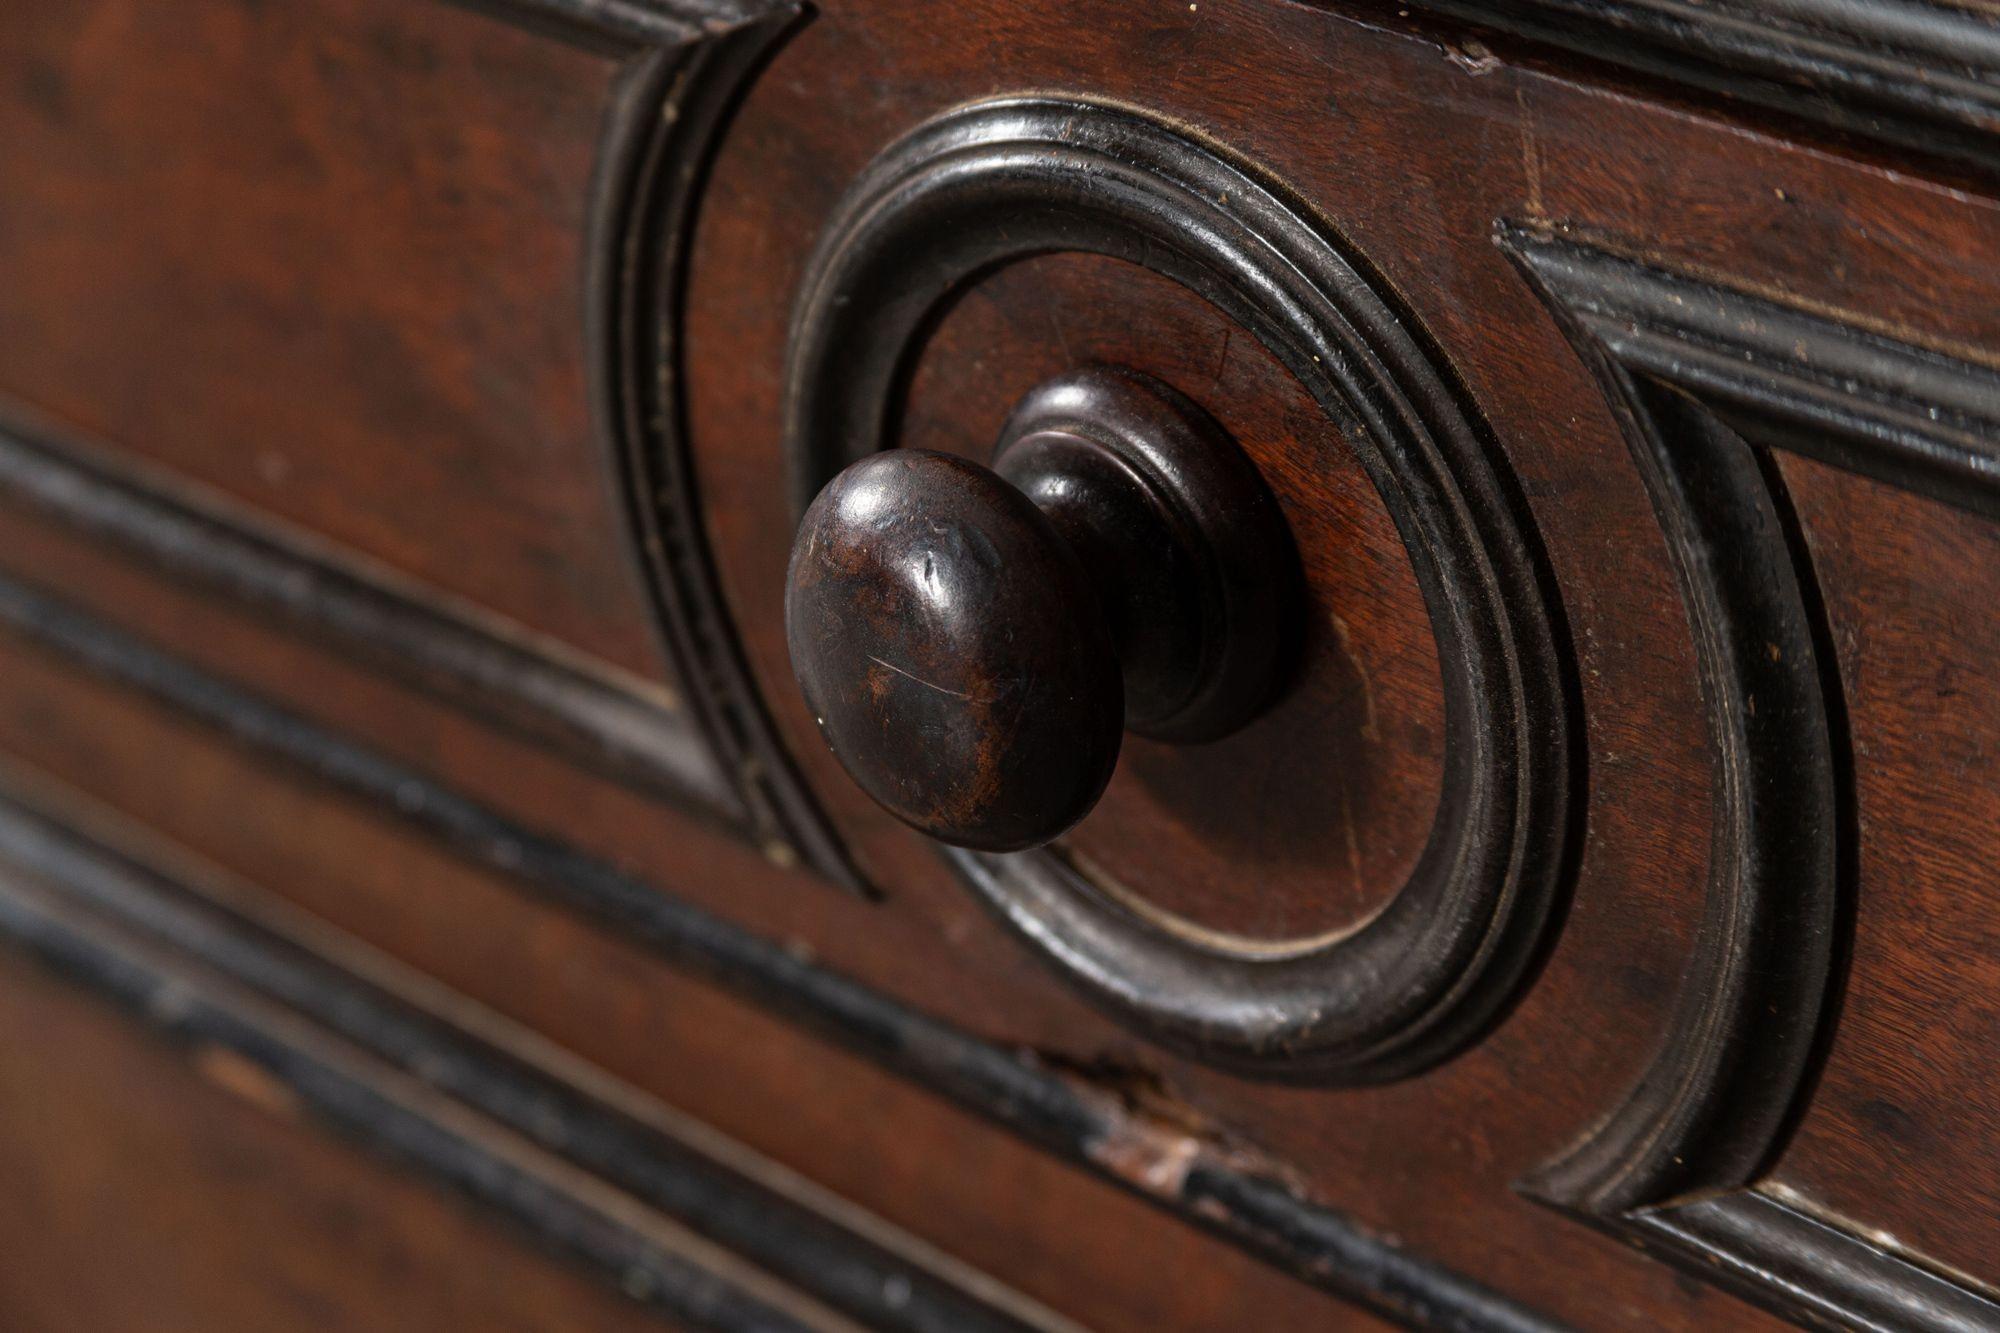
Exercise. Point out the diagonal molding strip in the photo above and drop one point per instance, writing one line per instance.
(345, 1095)
(1258, 1212)
(639, 737)
(782, 1237)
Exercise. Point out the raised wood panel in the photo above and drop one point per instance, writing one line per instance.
(329, 259)
(1896, 1138)
(396, 495)
(621, 1008)
(1556, 152)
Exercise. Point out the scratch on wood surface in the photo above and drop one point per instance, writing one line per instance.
(1353, 836)
(1531, 157)
(1369, 730)
(907, 675)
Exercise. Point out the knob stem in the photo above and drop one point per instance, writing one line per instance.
(1189, 550)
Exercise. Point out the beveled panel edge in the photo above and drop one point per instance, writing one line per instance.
(1878, 406)
(209, 976)
(661, 132)
(1919, 75)
(635, 734)
(1718, 1097)
(1686, 362)
(1208, 1185)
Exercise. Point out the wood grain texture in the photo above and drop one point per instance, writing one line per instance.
(1006, 178)
(219, 1209)
(1706, 374)
(1217, 835)
(1894, 255)
(330, 260)
(1910, 590)
(382, 284)
(679, 1219)
(620, 967)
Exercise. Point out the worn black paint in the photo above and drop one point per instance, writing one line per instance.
(1917, 74)
(780, 1236)
(1307, 1240)
(345, 1098)
(1710, 1109)
(1758, 1245)
(673, 101)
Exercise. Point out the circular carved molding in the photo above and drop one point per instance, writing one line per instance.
(1003, 180)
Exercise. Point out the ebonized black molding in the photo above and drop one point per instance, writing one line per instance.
(673, 100)
(1003, 180)
(1915, 73)
(123, 927)
(625, 26)
(1906, 415)
(1702, 378)
(354, 1101)
(640, 738)
(1756, 1244)
(1260, 1213)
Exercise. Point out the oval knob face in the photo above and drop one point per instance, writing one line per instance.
(953, 651)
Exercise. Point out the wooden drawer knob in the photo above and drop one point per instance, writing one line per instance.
(973, 643)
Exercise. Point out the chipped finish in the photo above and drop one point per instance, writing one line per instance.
(533, 884)
(1266, 1216)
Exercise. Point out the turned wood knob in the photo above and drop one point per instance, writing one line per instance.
(974, 642)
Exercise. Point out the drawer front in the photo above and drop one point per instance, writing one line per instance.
(1434, 617)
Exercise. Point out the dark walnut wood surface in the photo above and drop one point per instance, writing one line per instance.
(398, 730)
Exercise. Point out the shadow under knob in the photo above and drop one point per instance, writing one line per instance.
(974, 642)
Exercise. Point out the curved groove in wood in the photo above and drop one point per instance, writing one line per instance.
(672, 105)
(1714, 1104)
(1004, 180)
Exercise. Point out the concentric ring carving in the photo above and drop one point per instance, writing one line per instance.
(1004, 180)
